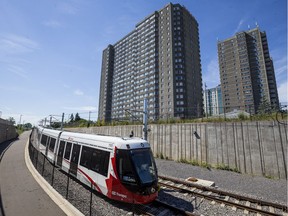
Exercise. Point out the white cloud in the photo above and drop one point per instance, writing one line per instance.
(14, 44)
(84, 108)
(19, 71)
(78, 92)
(67, 8)
(282, 92)
(25, 118)
(212, 76)
(52, 23)
(4, 108)
(89, 108)
(66, 86)
(239, 26)
(280, 66)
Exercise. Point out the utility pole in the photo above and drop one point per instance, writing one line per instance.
(50, 120)
(206, 95)
(89, 119)
(20, 120)
(62, 121)
(145, 119)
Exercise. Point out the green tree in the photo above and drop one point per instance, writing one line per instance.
(264, 107)
(77, 117)
(72, 118)
(12, 120)
(28, 126)
(55, 124)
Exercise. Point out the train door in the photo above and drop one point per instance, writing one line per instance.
(74, 159)
(60, 153)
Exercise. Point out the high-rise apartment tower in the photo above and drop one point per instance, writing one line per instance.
(213, 101)
(247, 72)
(160, 61)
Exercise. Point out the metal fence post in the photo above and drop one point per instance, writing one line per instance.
(43, 165)
(67, 188)
(53, 173)
(91, 195)
(37, 159)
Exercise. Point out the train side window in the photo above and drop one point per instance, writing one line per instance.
(105, 161)
(95, 161)
(75, 153)
(68, 150)
(44, 140)
(52, 144)
(100, 161)
(86, 157)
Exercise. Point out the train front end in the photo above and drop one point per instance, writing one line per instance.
(136, 175)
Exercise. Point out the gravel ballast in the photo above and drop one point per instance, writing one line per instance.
(257, 187)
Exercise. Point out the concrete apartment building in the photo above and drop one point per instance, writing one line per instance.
(213, 101)
(160, 61)
(246, 72)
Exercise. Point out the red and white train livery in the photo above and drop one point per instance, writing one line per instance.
(120, 168)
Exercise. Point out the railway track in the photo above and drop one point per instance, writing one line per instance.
(217, 196)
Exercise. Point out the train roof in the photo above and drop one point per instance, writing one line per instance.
(100, 140)
(50, 132)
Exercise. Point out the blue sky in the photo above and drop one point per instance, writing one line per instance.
(51, 50)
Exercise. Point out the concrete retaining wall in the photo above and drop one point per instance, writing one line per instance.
(257, 148)
(7, 130)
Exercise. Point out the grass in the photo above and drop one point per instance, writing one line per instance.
(208, 166)
(20, 130)
(161, 156)
(275, 116)
(226, 167)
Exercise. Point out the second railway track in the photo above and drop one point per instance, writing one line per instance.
(216, 196)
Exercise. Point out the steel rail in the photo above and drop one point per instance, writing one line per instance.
(221, 192)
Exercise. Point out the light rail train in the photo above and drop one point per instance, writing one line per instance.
(120, 168)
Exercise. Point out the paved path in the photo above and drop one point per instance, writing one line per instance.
(20, 192)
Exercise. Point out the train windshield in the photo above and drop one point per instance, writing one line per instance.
(144, 164)
(136, 164)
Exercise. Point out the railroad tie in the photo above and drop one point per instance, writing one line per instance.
(193, 189)
(248, 205)
(209, 193)
(234, 207)
(260, 208)
(226, 199)
(271, 209)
